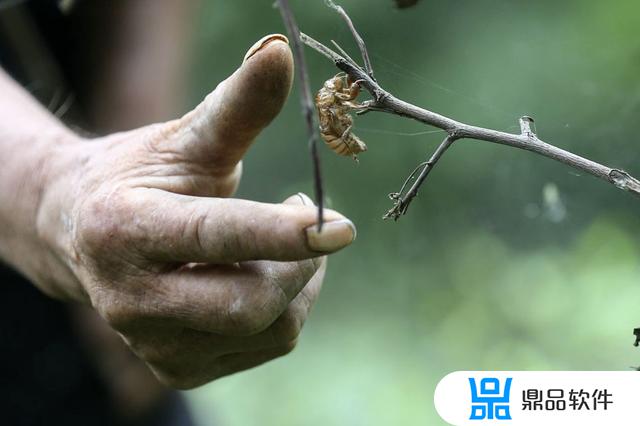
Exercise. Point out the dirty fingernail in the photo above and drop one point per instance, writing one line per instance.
(299, 199)
(334, 236)
(305, 199)
(262, 43)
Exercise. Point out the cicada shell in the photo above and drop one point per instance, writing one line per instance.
(334, 102)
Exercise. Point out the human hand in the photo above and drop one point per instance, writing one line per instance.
(198, 285)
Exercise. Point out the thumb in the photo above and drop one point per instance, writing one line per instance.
(219, 131)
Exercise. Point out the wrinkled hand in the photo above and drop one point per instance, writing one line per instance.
(198, 285)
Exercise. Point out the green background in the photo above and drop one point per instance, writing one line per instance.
(505, 261)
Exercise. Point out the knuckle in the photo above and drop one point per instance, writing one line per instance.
(102, 220)
(168, 361)
(253, 311)
(117, 314)
(287, 347)
(246, 321)
(287, 328)
(154, 353)
(116, 308)
(177, 379)
(308, 268)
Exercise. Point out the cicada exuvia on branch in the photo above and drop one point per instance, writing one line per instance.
(334, 102)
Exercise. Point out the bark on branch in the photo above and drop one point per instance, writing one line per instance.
(307, 103)
(386, 102)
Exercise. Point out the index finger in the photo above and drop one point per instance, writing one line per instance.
(179, 228)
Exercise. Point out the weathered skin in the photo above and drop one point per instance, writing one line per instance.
(139, 226)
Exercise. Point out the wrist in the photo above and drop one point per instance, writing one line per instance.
(60, 188)
(35, 163)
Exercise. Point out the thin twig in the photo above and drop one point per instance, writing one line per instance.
(396, 195)
(342, 51)
(307, 102)
(402, 202)
(363, 48)
(527, 140)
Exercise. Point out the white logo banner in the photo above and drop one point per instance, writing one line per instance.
(539, 398)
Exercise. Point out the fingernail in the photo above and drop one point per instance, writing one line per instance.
(264, 41)
(334, 236)
(305, 199)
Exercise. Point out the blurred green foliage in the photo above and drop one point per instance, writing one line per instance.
(488, 270)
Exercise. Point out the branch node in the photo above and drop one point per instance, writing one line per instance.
(455, 133)
(380, 96)
(624, 181)
(526, 124)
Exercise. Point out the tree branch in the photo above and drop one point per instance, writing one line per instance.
(359, 41)
(307, 102)
(527, 139)
(402, 201)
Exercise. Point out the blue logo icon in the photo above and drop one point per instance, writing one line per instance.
(486, 400)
